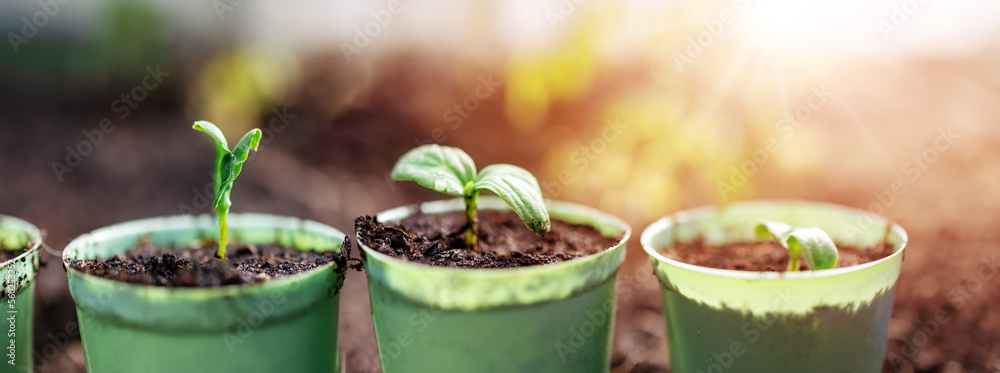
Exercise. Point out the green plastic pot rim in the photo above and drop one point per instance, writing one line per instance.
(760, 293)
(705, 211)
(187, 292)
(602, 260)
(34, 236)
(176, 309)
(28, 260)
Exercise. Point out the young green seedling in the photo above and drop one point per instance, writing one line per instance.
(451, 171)
(228, 165)
(821, 253)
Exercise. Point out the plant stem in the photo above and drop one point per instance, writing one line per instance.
(223, 231)
(793, 262)
(472, 220)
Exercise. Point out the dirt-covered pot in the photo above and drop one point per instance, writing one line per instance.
(286, 324)
(552, 318)
(18, 290)
(833, 320)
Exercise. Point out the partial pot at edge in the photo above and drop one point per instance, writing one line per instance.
(285, 324)
(832, 320)
(552, 318)
(18, 281)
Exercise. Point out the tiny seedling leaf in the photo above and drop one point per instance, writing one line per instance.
(442, 168)
(520, 190)
(819, 249)
(222, 148)
(451, 171)
(772, 229)
(228, 165)
(232, 165)
(821, 253)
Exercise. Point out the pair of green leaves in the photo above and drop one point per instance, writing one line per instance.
(820, 251)
(228, 165)
(451, 171)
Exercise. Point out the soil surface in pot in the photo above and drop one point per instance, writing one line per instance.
(6, 255)
(197, 266)
(438, 240)
(764, 256)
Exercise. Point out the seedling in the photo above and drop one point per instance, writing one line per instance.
(821, 253)
(228, 165)
(451, 171)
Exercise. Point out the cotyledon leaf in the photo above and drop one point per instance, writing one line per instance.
(816, 244)
(442, 168)
(520, 190)
(232, 165)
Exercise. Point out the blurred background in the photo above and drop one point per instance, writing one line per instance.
(639, 108)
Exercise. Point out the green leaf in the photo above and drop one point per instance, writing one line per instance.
(778, 232)
(222, 148)
(232, 164)
(771, 229)
(520, 190)
(442, 168)
(821, 253)
(451, 171)
(228, 165)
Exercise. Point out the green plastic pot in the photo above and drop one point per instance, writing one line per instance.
(833, 320)
(552, 318)
(18, 290)
(287, 324)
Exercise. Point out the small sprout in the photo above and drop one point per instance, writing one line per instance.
(821, 253)
(451, 171)
(228, 165)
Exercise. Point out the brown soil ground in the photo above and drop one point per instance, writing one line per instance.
(197, 267)
(767, 256)
(6, 255)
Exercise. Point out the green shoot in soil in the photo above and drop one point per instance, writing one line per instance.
(228, 165)
(821, 253)
(451, 171)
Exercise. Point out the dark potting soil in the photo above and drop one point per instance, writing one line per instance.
(197, 266)
(765, 256)
(6, 255)
(438, 240)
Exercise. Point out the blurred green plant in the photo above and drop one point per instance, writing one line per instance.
(228, 165)
(451, 171)
(236, 87)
